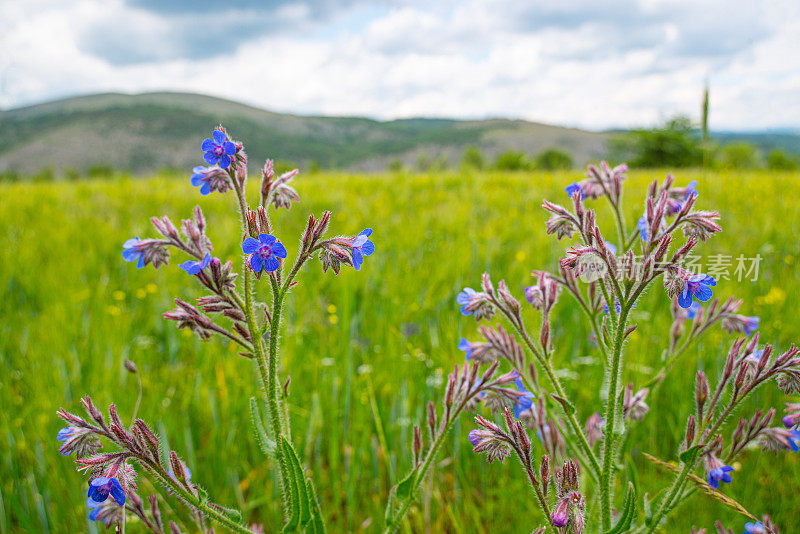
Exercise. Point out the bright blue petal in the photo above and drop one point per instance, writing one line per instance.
(130, 254)
(359, 240)
(219, 136)
(190, 267)
(140, 263)
(196, 180)
(116, 492)
(463, 344)
(207, 146)
(685, 298)
(250, 245)
(368, 248)
(210, 158)
(703, 293)
(93, 514)
(357, 259)
(267, 239)
(206, 261)
(709, 281)
(206, 189)
(278, 249)
(726, 478)
(224, 161)
(712, 481)
(272, 264)
(131, 242)
(64, 434)
(366, 231)
(464, 310)
(230, 148)
(256, 262)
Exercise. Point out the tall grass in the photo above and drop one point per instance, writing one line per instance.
(365, 353)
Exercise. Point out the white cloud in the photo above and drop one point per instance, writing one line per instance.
(633, 64)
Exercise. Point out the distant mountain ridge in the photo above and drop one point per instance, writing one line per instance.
(146, 132)
(150, 131)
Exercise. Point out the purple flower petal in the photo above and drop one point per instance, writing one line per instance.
(210, 158)
(224, 161)
(256, 263)
(230, 148)
(357, 259)
(207, 146)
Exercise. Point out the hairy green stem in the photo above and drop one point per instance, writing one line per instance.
(606, 477)
(195, 502)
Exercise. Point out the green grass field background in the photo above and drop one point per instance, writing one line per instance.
(366, 351)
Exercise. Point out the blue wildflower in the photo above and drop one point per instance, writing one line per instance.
(63, 435)
(265, 252)
(209, 179)
(362, 246)
(754, 528)
(101, 487)
(643, 227)
(131, 251)
(465, 298)
(750, 325)
(466, 346)
(574, 188)
(691, 190)
(693, 310)
(194, 267)
(218, 150)
(719, 474)
(524, 401)
(699, 287)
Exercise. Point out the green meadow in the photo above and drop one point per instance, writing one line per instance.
(365, 350)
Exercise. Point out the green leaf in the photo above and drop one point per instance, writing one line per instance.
(569, 408)
(293, 490)
(388, 515)
(317, 525)
(232, 514)
(633, 476)
(689, 456)
(405, 487)
(202, 495)
(266, 444)
(628, 512)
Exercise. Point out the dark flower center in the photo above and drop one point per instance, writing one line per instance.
(265, 251)
(219, 150)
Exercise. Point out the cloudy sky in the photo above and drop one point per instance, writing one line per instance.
(585, 63)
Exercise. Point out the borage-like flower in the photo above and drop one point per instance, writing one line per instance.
(265, 252)
(362, 246)
(144, 251)
(209, 179)
(101, 487)
(79, 440)
(720, 474)
(194, 267)
(218, 150)
(698, 286)
(574, 188)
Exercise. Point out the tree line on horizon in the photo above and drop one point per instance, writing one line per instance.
(676, 143)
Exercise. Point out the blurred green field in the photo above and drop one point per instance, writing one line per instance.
(366, 351)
